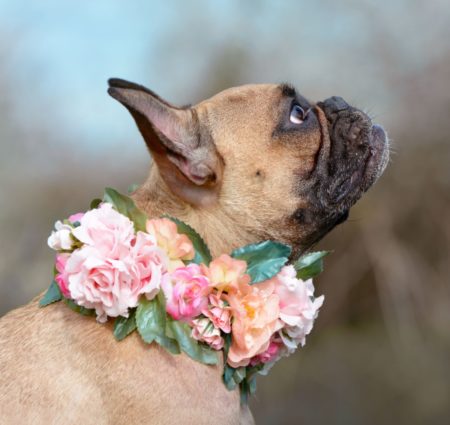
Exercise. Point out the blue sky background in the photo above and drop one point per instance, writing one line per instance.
(60, 54)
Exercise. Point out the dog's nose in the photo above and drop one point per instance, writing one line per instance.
(346, 122)
(334, 105)
(349, 129)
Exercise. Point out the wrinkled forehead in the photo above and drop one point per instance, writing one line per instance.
(260, 108)
(246, 93)
(252, 98)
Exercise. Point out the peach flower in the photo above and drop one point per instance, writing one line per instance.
(177, 246)
(203, 330)
(226, 273)
(255, 311)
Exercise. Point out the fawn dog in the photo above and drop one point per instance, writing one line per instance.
(252, 163)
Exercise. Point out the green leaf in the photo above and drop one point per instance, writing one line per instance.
(132, 188)
(246, 388)
(226, 346)
(125, 205)
(228, 380)
(252, 385)
(196, 351)
(264, 259)
(52, 295)
(95, 203)
(202, 253)
(310, 265)
(79, 309)
(169, 344)
(150, 319)
(239, 374)
(123, 326)
(152, 325)
(245, 391)
(252, 371)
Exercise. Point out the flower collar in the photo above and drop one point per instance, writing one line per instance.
(157, 276)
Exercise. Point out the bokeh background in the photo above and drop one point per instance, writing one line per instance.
(380, 352)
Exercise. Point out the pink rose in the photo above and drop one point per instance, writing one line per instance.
(255, 311)
(107, 230)
(177, 246)
(203, 330)
(219, 313)
(61, 276)
(186, 290)
(270, 355)
(114, 267)
(298, 308)
(150, 261)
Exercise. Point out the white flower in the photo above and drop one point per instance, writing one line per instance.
(60, 238)
(298, 307)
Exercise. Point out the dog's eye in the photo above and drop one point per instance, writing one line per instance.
(297, 114)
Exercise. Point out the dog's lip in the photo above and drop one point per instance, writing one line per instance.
(378, 155)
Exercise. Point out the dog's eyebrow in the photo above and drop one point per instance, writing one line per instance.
(288, 90)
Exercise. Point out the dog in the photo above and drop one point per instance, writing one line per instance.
(252, 163)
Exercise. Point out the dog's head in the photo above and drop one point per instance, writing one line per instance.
(280, 166)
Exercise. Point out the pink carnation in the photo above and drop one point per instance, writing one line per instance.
(219, 313)
(203, 330)
(186, 290)
(114, 267)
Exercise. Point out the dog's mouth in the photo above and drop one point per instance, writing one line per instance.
(353, 154)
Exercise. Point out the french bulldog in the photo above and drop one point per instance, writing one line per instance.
(251, 163)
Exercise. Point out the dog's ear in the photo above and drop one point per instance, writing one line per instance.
(183, 151)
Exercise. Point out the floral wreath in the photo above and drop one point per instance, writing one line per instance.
(158, 277)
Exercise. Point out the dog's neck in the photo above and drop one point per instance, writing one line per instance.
(221, 231)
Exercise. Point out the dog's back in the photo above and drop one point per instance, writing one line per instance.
(58, 367)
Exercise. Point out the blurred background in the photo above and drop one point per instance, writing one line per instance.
(380, 352)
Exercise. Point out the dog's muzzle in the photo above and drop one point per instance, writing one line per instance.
(358, 152)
